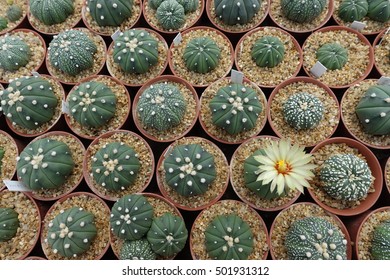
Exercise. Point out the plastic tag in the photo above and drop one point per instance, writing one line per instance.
(65, 107)
(318, 69)
(115, 35)
(237, 77)
(35, 74)
(387, 32)
(177, 40)
(358, 25)
(384, 81)
(15, 186)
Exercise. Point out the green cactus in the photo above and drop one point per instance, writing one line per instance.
(332, 55)
(202, 55)
(189, 5)
(136, 51)
(29, 102)
(189, 169)
(111, 12)
(154, 4)
(233, 12)
(71, 232)
(44, 164)
(315, 238)
(115, 166)
(161, 106)
(268, 51)
(380, 244)
(373, 110)
(351, 10)
(14, 13)
(137, 250)
(171, 15)
(302, 11)
(14, 53)
(2, 151)
(235, 108)
(71, 52)
(303, 111)
(51, 12)
(167, 235)
(131, 217)
(345, 177)
(379, 10)
(9, 223)
(3, 23)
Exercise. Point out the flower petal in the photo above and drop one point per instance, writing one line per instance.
(280, 183)
(264, 160)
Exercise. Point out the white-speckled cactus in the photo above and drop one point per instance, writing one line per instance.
(380, 244)
(14, 53)
(110, 12)
(9, 224)
(171, 15)
(137, 250)
(51, 12)
(233, 12)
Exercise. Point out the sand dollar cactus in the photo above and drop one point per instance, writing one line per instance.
(302, 11)
(380, 244)
(137, 250)
(51, 12)
(71, 232)
(351, 10)
(3, 23)
(9, 223)
(233, 12)
(110, 12)
(14, 13)
(332, 55)
(14, 53)
(171, 15)
(379, 10)
(189, 5)
(315, 238)
(268, 51)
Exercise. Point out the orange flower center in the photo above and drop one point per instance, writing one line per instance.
(283, 167)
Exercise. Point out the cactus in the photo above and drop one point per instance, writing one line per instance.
(189, 5)
(229, 238)
(268, 51)
(171, 15)
(29, 102)
(154, 4)
(131, 217)
(380, 244)
(189, 169)
(379, 10)
(71, 232)
(136, 51)
(44, 164)
(3, 23)
(235, 108)
(315, 238)
(161, 106)
(202, 55)
(373, 110)
(71, 52)
(233, 12)
(1, 157)
(9, 223)
(167, 235)
(303, 111)
(51, 12)
(14, 53)
(302, 11)
(345, 177)
(332, 55)
(115, 166)
(111, 12)
(14, 13)
(137, 250)
(351, 10)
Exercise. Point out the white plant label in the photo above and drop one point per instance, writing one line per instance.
(237, 77)
(65, 107)
(358, 25)
(35, 74)
(177, 40)
(115, 35)
(318, 69)
(384, 81)
(16, 186)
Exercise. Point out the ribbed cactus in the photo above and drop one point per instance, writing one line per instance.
(137, 250)
(268, 51)
(380, 244)
(332, 55)
(202, 55)
(235, 108)
(315, 238)
(302, 11)
(3, 23)
(115, 166)
(154, 4)
(29, 102)
(71, 232)
(44, 164)
(14, 13)
(9, 223)
(136, 51)
(189, 5)
(110, 12)
(14, 53)
(379, 10)
(171, 15)
(161, 106)
(351, 10)
(51, 12)
(72, 51)
(167, 235)
(131, 217)
(233, 12)
(303, 111)
(345, 177)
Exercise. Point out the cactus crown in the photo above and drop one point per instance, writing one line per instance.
(303, 111)
(51, 12)
(229, 238)
(171, 15)
(71, 52)
(302, 11)
(9, 224)
(110, 12)
(44, 164)
(379, 10)
(71, 232)
(14, 13)
(268, 51)
(332, 55)
(346, 177)
(233, 12)
(380, 244)
(314, 238)
(189, 5)
(137, 250)
(161, 106)
(351, 10)
(29, 102)
(14, 53)
(3, 23)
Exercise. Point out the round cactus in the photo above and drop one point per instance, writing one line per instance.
(14, 53)
(315, 238)
(161, 106)
(189, 5)
(235, 108)
(71, 232)
(171, 15)
(268, 51)
(380, 244)
(332, 55)
(379, 10)
(3, 23)
(29, 102)
(44, 164)
(167, 235)
(189, 169)
(373, 110)
(71, 52)
(303, 111)
(14, 13)
(233, 12)
(202, 55)
(9, 223)
(131, 217)
(137, 250)
(136, 51)
(51, 12)
(111, 12)
(229, 238)
(302, 11)
(115, 166)
(346, 177)
(351, 10)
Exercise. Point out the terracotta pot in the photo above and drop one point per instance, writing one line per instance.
(387, 175)
(378, 60)
(19, 23)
